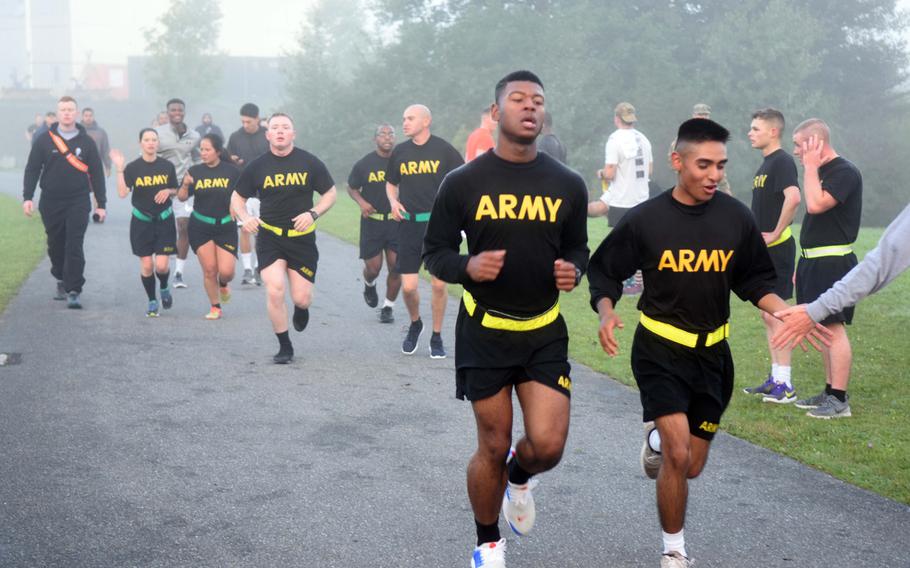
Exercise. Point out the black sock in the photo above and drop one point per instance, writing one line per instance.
(148, 282)
(839, 395)
(222, 283)
(827, 389)
(162, 278)
(517, 474)
(219, 307)
(437, 334)
(487, 533)
(284, 340)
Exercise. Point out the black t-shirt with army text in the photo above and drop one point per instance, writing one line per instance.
(691, 257)
(840, 224)
(776, 173)
(284, 185)
(536, 211)
(418, 171)
(212, 188)
(368, 177)
(145, 179)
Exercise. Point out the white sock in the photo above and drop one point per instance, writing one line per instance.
(654, 440)
(247, 259)
(388, 303)
(675, 542)
(181, 262)
(775, 369)
(369, 283)
(783, 375)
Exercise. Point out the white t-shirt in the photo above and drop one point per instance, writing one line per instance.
(630, 152)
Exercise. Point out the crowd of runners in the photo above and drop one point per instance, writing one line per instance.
(522, 213)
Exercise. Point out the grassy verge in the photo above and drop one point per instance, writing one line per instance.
(22, 249)
(871, 450)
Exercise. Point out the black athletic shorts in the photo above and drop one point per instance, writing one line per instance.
(486, 360)
(223, 235)
(815, 275)
(300, 252)
(153, 237)
(673, 378)
(377, 236)
(410, 246)
(615, 215)
(783, 256)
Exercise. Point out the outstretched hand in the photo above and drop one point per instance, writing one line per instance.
(796, 327)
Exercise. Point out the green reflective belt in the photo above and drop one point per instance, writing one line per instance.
(834, 250)
(381, 216)
(143, 217)
(418, 217)
(212, 220)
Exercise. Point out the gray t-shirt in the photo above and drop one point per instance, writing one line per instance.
(178, 150)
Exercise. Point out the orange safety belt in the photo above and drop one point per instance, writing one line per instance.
(65, 151)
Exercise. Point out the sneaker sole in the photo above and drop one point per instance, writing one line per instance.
(804, 406)
(846, 414)
(779, 400)
(443, 356)
(180, 286)
(747, 391)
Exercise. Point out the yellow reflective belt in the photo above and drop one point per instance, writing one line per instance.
(287, 232)
(377, 216)
(783, 237)
(681, 336)
(495, 322)
(834, 250)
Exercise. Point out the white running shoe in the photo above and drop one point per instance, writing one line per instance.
(518, 507)
(675, 560)
(490, 555)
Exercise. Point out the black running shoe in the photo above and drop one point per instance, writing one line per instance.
(61, 291)
(301, 318)
(370, 296)
(386, 315)
(437, 351)
(284, 356)
(409, 346)
(167, 300)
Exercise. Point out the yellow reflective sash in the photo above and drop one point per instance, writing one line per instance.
(834, 250)
(783, 237)
(683, 337)
(287, 232)
(508, 324)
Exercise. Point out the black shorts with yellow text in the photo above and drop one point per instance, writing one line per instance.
(487, 360)
(410, 246)
(783, 256)
(223, 235)
(300, 253)
(377, 236)
(815, 275)
(673, 378)
(153, 237)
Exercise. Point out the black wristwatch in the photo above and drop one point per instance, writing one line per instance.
(577, 276)
(313, 214)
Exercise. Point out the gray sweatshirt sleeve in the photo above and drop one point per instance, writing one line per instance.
(882, 265)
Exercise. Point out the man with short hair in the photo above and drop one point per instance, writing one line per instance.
(245, 144)
(695, 246)
(833, 188)
(65, 160)
(378, 231)
(481, 140)
(208, 127)
(285, 179)
(416, 168)
(775, 197)
(524, 217)
(549, 143)
(50, 117)
(702, 110)
(177, 144)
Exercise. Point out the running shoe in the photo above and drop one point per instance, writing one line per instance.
(248, 277)
(284, 356)
(385, 315)
(61, 291)
(781, 394)
(650, 459)
(178, 280)
(812, 401)
(518, 506)
(214, 314)
(225, 294)
(831, 408)
(675, 560)
(490, 555)
(370, 296)
(301, 318)
(762, 389)
(167, 300)
(437, 351)
(409, 346)
(152, 311)
(72, 301)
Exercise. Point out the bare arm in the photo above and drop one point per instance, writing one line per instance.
(787, 212)
(365, 208)
(391, 191)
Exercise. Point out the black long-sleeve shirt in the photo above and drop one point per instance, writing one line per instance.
(691, 257)
(59, 180)
(536, 211)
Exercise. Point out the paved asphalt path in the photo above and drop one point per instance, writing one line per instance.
(127, 441)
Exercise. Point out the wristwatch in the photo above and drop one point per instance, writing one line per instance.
(577, 275)
(313, 214)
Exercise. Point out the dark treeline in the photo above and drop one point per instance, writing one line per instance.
(361, 62)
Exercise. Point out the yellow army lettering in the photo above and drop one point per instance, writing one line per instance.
(306, 271)
(146, 181)
(759, 181)
(229, 246)
(565, 382)
(413, 168)
(532, 208)
(686, 260)
(211, 183)
(285, 180)
(376, 176)
(708, 427)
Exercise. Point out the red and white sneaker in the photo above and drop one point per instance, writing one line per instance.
(490, 555)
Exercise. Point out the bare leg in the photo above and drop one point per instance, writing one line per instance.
(411, 295)
(546, 420)
(393, 280)
(275, 285)
(438, 303)
(487, 468)
(208, 262)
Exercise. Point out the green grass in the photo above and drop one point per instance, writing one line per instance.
(870, 450)
(23, 247)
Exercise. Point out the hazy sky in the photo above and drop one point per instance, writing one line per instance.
(112, 30)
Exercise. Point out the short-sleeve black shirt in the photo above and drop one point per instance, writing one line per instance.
(213, 187)
(776, 173)
(284, 185)
(840, 224)
(418, 171)
(145, 179)
(368, 177)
